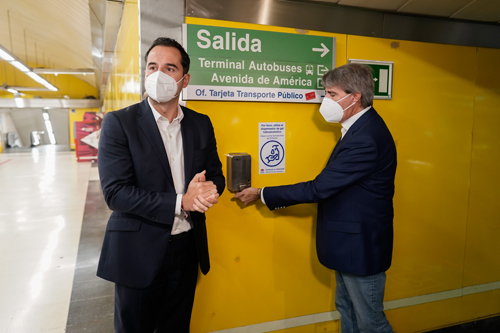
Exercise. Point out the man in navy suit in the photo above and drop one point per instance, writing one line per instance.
(159, 171)
(354, 193)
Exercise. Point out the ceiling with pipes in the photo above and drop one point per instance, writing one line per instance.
(471, 10)
(80, 34)
(49, 33)
(62, 36)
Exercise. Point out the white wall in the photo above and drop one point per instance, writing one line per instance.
(7, 125)
(60, 125)
(28, 120)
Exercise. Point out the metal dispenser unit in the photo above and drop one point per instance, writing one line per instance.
(239, 169)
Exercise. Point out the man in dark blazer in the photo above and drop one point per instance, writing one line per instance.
(354, 193)
(159, 171)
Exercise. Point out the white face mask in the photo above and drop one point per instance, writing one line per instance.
(161, 87)
(332, 111)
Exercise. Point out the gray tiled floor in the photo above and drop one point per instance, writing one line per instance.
(42, 201)
(91, 306)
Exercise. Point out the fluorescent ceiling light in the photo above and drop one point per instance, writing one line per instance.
(20, 66)
(41, 80)
(5, 56)
(14, 61)
(36, 77)
(20, 88)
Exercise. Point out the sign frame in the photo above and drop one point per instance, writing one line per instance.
(317, 56)
(388, 79)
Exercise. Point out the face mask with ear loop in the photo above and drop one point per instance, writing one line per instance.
(332, 111)
(161, 87)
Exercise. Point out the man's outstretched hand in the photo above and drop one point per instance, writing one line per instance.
(248, 195)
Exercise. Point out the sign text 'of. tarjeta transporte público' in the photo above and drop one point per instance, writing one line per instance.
(229, 64)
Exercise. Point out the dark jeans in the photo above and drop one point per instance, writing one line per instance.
(164, 306)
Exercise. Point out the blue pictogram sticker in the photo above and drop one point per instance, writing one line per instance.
(272, 153)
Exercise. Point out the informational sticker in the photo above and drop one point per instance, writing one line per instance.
(271, 148)
(230, 64)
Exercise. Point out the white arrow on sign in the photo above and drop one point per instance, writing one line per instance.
(324, 49)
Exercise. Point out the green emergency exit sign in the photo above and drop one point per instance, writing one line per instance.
(382, 77)
(230, 64)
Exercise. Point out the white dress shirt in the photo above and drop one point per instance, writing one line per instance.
(172, 140)
(350, 121)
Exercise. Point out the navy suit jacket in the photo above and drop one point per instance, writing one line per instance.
(138, 187)
(354, 193)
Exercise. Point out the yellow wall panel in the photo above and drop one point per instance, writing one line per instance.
(430, 117)
(424, 317)
(480, 305)
(256, 254)
(125, 77)
(68, 85)
(482, 262)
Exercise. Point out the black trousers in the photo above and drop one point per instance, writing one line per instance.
(165, 306)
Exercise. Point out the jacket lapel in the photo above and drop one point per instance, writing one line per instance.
(360, 122)
(147, 122)
(339, 143)
(353, 129)
(187, 130)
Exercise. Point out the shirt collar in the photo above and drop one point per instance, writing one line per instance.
(157, 115)
(350, 121)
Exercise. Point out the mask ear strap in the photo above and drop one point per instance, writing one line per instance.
(180, 90)
(350, 105)
(344, 97)
(182, 78)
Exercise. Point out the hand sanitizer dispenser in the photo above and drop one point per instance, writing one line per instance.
(239, 171)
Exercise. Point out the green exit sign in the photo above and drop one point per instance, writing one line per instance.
(382, 76)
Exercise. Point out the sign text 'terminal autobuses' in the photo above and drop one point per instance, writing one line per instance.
(229, 41)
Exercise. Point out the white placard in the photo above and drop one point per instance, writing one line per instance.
(271, 148)
(253, 94)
